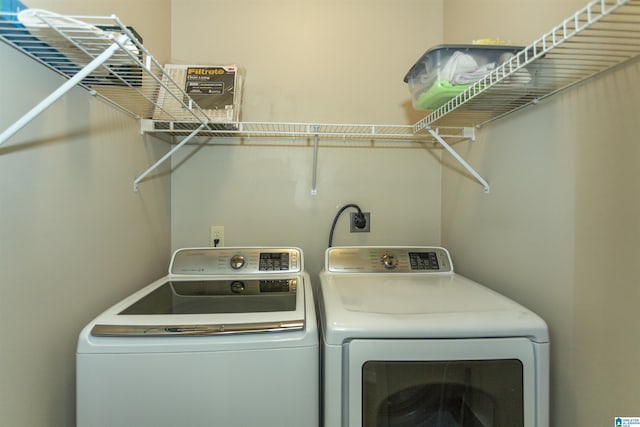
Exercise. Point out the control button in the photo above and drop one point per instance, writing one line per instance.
(389, 261)
(237, 262)
(423, 261)
(237, 287)
(274, 261)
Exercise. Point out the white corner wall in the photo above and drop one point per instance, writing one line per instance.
(74, 237)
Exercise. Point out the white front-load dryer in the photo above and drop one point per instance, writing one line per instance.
(228, 338)
(407, 342)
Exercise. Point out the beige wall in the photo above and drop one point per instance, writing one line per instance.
(559, 231)
(607, 223)
(325, 61)
(74, 237)
(328, 61)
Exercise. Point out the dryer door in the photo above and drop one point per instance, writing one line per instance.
(441, 383)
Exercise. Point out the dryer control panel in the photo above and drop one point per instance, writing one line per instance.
(388, 259)
(232, 261)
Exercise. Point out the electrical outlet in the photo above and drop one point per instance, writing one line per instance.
(216, 235)
(366, 228)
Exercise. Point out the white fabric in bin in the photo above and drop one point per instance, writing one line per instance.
(457, 66)
(462, 69)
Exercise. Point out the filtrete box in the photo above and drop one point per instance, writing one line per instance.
(216, 89)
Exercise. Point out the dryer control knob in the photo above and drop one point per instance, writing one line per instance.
(389, 262)
(237, 262)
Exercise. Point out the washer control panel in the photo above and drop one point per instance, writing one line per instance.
(388, 259)
(225, 261)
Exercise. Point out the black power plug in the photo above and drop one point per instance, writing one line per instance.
(360, 222)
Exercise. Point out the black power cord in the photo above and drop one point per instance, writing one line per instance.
(359, 221)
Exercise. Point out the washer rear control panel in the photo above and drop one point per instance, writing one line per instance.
(274, 261)
(227, 260)
(424, 261)
(393, 259)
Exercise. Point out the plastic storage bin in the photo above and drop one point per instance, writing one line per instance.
(447, 70)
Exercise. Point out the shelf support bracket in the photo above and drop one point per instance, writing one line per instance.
(314, 189)
(460, 160)
(63, 89)
(166, 156)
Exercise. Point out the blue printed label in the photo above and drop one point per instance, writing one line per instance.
(627, 422)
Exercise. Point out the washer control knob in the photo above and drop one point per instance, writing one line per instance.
(237, 287)
(389, 261)
(237, 262)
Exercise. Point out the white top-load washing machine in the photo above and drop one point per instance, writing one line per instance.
(228, 338)
(408, 342)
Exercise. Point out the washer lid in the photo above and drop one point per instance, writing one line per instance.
(218, 296)
(177, 305)
(419, 306)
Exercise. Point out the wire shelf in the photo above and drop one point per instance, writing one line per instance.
(108, 58)
(599, 36)
(304, 130)
(130, 77)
